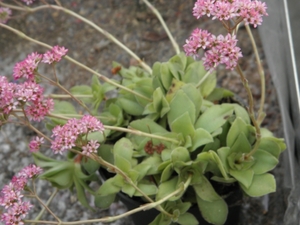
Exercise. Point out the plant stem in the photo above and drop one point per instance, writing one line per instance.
(140, 133)
(141, 208)
(203, 78)
(56, 83)
(101, 161)
(250, 111)
(104, 78)
(92, 24)
(161, 20)
(261, 113)
(70, 116)
(68, 96)
(47, 208)
(37, 218)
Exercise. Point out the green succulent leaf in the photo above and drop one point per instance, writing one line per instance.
(83, 90)
(201, 137)
(244, 177)
(242, 113)
(187, 219)
(177, 64)
(262, 184)
(91, 166)
(147, 188)
(238, 127)
(195, 72)
(166, 188)
(264, 162)
(194, 95)
(183, 125)
(176, 107)
(161, 219)
(214, 212)
(167, 173)
(218, 94)
(124, 149)
(272, 145)
(214, 117)
(104, 202)
(108, 187)
(180, 154)
(131, 106)
(81, 193)
(205, 190)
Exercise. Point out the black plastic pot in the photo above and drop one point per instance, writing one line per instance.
(233, 199)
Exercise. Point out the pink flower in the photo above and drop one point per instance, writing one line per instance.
(203, 7)
(65, 136)
(37, 110)
(35, 144)
(54, 55)
(220, 49)
(4, 14)
(198, 39)
(90, 148)
(27, 67)
(11, 197)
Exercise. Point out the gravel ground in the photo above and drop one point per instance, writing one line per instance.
(133, 24)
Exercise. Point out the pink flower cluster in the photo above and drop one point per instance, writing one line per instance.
(250, 11)
(54, 55)
(27, 95)
(221, 49)
(4, 14)
(27, 67)
(11, 197)
(65, 136)
(35, 144)
(90, 148)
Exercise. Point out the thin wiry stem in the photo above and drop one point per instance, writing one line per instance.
(92, 24)
(161, 20)
(261, 113)
(102, 77)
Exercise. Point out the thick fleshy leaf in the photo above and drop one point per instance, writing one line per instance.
(194, 95)
(187, 219)
(261, 185)
(166, 188)
(272, 145)
(104, 202)
(180, 154)
(213, 212)
(214, 117)
(161, 219)
(264, 162)
(244, 177)
(123, 148)
(175, 86)
(167, 172)
(147, 188)
(200, 137)
(242, 113)
(206, 191)
(179, 105)
(241, 144)
(183, 125)
(131, 106)
(108, 188)
(238, 127)
(165, 75)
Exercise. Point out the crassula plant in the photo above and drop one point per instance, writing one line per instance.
(165, 133)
